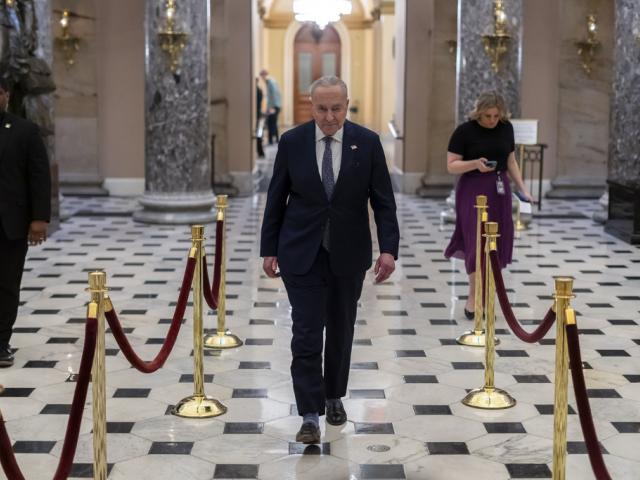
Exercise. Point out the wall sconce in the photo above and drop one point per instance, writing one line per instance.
(589, 46)
(497, 44)
(67, 42)
(172, 39)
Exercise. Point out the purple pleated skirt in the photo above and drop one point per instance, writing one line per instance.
(463, 241)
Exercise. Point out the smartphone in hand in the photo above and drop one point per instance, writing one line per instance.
(491, 163)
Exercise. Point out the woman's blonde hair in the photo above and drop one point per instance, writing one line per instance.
(487, 100)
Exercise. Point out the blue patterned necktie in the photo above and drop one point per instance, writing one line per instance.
(328, 182)
(327, 168)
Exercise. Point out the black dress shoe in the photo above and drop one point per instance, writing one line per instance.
(336, 414)
(6, 357)
(308, 433)
(469, 315)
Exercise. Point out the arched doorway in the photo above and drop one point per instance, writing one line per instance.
(316, 53)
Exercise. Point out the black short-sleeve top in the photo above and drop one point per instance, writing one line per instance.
(473, 141)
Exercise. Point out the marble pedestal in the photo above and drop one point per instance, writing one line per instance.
(624, 212)
(175, 208)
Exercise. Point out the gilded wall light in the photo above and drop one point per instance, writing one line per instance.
(172, 38)
(497, 43)
(589, 46)
(66, 41)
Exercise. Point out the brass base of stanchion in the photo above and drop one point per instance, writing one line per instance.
(474, 338)
(489, 399)
(521, 226)
(222, 340)
(198, 406)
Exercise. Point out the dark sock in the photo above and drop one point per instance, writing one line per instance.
(311, 418)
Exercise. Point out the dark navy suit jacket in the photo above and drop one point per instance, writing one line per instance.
(25, 184)
(298, 208)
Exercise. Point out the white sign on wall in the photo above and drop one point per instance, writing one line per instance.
(525, 131)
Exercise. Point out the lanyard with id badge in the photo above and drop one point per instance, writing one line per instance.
(499, 184)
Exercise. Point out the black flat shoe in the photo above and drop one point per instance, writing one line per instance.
(6, 357)
(469, 315)
(308, 433)
(335, 414)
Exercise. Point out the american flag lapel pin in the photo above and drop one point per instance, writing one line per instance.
(7, 125)
(354, 147)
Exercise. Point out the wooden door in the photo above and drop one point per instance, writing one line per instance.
(317, 53)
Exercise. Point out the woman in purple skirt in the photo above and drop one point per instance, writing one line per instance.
(482, 152)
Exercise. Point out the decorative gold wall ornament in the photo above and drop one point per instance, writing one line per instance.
(497, 44)
(590, 45)
(172, 39)
(67, 42)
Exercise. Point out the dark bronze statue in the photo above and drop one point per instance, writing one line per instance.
(29, 74)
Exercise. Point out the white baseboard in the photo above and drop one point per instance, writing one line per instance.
(124, 187)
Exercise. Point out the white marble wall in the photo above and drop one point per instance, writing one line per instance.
(76, 99)
(584, 101)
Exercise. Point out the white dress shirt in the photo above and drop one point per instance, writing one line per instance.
(336, 151)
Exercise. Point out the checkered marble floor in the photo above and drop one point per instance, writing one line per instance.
(408, 375)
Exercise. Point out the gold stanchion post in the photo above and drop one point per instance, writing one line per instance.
(475, 337)
(97, 289)
(223, 338)
(489, 397)
(563, 294)
(198, 405)
(520, 225)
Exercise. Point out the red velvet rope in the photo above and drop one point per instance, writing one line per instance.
(174, 329)
(7, 457)
(584, 409)
(211, 295)
(520, 332)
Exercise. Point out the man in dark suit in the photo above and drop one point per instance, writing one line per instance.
(316, 230)
(25, 206)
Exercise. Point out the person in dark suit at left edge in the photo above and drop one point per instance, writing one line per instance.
(25, 208)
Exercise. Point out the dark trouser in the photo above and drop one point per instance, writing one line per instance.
(12, 255)
(321, 299)
(259, 135)
(272, 125)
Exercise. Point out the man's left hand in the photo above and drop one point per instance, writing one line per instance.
(385, 265)
(37, 232)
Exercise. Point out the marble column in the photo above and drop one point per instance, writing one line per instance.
(177, 130)
(624, 156)
(474, 72)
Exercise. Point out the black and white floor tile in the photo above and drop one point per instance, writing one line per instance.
(408, 376)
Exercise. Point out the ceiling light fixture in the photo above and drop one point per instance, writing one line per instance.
(321, 13)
